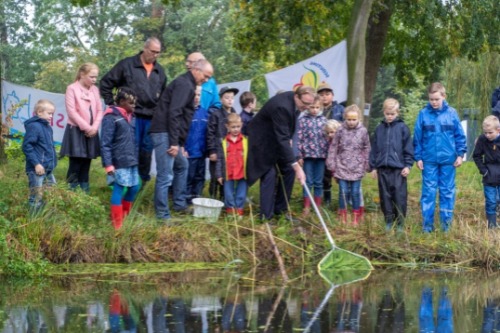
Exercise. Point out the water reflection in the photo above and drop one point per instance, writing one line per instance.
(391, 313)
(491, 316)
(389, 302)
(444, 312)
(120, 319)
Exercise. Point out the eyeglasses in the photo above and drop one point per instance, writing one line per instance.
(154, 52)
(205, 75)
(305, 103)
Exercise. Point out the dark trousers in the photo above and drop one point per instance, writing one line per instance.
(196, 177)
(327, 186)
(215, 190)
(78, 170)
(276, 190)
(393, 193)
(143, 140)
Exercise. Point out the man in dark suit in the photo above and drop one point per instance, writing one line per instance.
(270, 154)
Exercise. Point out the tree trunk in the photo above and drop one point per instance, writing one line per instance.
(378, 26)
(356, 52)
(3, 66)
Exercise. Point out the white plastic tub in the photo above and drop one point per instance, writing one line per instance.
(207, 208)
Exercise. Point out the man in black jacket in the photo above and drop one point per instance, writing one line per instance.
(146, 77)
(169, 129)
(270, 154)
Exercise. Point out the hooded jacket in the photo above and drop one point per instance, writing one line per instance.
(487, 158)
(392, 146)
(348, 153)
(312, 142)
(38, 145)
(118, 146)
(438, 136)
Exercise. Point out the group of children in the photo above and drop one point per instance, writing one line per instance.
(438, 147)
(326, 147)
(218, 134)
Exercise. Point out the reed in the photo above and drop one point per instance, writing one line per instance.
(74, 228)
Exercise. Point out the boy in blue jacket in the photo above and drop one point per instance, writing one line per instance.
(196, 148)
(440, 144)
(391, 158)
(487, 158)
(38, 146)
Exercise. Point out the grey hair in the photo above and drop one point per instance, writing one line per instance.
(151, 40)
(200, 64)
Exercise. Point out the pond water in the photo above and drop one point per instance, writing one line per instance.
(229, 301)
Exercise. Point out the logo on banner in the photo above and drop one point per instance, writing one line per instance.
(312, 76)
(15, 108)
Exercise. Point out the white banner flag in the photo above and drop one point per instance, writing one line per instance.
(18, 105)
(329, 66)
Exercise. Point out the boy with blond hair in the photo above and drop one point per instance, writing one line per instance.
(38, 146)
(230, 169)
(487, 158)
(391, 159)
(440, 145)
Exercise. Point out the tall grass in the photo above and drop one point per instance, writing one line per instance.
(75, 228)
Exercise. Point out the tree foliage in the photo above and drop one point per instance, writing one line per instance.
(420, 35)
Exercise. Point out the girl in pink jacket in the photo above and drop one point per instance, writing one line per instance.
(81, 137)
(348, 161)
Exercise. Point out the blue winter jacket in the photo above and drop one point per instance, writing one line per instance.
(118, 145)
(438, 136)
(38, 145)
(196, 142)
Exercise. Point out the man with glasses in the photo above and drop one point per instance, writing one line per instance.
(169, 129)
(270, 155)
(146, 77)
(209, 91)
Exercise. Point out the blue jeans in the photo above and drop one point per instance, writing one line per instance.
(181, 167)
(235, 193)
(145, 145)
(490, 195)
(164, 174)
(436, 176)
(314, 168)
(352, 188)
(36, 184)
(196, 177)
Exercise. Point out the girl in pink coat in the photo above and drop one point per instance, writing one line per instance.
(81, 137)
(348, 161)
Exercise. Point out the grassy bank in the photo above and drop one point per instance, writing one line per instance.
(75, 228)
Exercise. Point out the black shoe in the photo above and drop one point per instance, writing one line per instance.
(184, 211)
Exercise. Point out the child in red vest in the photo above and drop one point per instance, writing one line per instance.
(231, 166)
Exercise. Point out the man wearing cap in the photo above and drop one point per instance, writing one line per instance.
(216, 132)
(331, 109)
(270, 155)
(169, 129)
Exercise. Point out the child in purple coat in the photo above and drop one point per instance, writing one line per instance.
(313, 146)
(348, 161)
